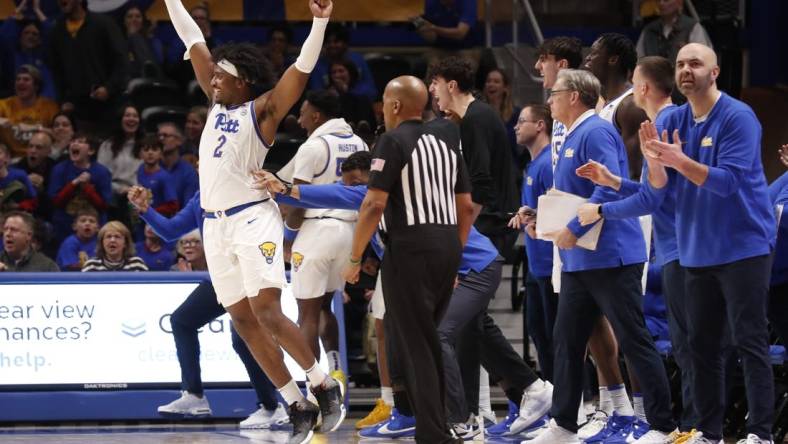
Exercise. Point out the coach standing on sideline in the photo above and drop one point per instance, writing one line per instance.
(419, 186)
(603, 282)
(726, 232)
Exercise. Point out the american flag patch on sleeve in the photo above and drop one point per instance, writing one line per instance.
(377, 164)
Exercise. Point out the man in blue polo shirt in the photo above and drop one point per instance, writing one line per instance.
(602, 282)
(725, 229)
(533, 131)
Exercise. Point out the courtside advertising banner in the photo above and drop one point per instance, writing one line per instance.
(109, 336)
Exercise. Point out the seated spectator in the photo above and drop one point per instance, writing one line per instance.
(25, 112)
(498, 94)
(183, 173)
(447, 24)
(38, 166)
(78, 182)
(158, 182)
(63, 129)
(16, 191)
(18, 253)
(355, 108)
(77, 248)
(191, 255)
(27, 35)
(335, 47)
(114, 250)
(146, 53)
(89, 61)
(121, 152)
(280, 36)
(666, 35)
(152, 250)
(195, 122)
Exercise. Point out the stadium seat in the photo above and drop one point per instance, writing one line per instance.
(386, 67)
(154, 115)
(146, 92)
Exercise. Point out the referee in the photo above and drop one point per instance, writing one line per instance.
(419, 196)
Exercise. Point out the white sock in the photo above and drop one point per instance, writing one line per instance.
(290, 392)
(621, 404)
(484, 391)
(605, 401)
(388, 396)
(334, 361)
(315, 375)
(637, 404)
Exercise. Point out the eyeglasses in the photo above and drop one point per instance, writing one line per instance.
(556, 91)
(190, 242)
(521, 120)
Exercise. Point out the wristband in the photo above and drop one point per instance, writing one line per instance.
(354, 262)
(290, 234)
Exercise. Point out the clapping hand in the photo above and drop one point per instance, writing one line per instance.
(597, 173)
(138, 196)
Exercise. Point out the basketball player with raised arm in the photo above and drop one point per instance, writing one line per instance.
(243, 228)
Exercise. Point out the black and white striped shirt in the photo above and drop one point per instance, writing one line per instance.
(133, 263)
(421, 167)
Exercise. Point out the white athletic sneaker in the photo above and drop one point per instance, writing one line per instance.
(594, 425)
(698, 438)
(536, 403)
(186, 406)
(554, 434)
(754, 439)
(265, 419)
(467, 430)
(654, 437)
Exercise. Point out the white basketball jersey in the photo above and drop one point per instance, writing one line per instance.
(231, 147)
(338, 147)
(608, 112)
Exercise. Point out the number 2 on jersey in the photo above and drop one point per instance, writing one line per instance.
(218, 151)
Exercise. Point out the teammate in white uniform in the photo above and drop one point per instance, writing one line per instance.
(243, 228)
(324, 237)
(554, 55)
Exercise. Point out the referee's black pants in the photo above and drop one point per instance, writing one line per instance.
(733, 296)
(617, 294)
(418, 275)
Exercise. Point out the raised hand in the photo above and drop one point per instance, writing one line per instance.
(138, 196)
(321, 8)
(664, 152)
(598, 173)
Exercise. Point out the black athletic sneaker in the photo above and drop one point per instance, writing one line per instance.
(303, 417)
(332, 408)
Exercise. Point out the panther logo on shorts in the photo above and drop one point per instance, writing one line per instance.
(268, 249)
(296, 260)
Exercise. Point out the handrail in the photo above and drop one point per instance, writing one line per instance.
(529, 11)
(488, 24)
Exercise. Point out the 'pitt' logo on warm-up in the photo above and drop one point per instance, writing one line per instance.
(297, 260)
(706, 142)
(269, 250)
(226, 124)
(569, 152)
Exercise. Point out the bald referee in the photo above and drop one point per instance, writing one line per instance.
(419, 196)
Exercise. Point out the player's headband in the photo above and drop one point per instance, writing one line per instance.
(229, 67)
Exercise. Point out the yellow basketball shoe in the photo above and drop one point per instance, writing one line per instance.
(380, 413)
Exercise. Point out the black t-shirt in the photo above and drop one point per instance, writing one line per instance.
(421, 168)
(485, 147)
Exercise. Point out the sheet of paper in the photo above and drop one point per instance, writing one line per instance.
(556, 209)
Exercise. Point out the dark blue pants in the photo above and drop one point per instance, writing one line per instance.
(200, 308)
(617, 294)
(678, 325)
(541, 308)
(730, 297)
